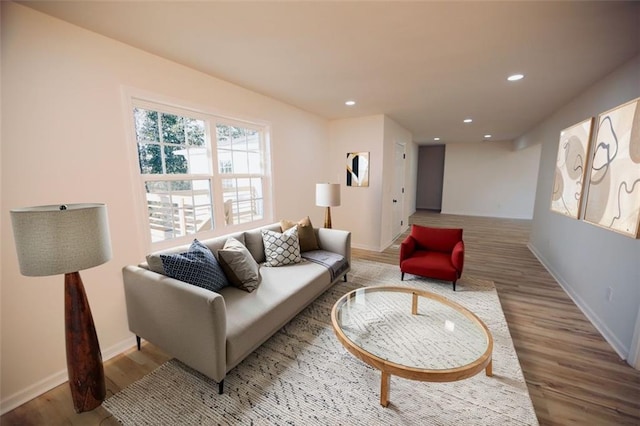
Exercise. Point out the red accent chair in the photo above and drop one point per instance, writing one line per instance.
(433, 252)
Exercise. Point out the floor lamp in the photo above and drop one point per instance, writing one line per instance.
(327, 195)
(52, 240)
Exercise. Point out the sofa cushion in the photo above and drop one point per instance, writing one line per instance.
(239, 266)
(283, 292)
(197, 266)
(306, 233)
(253, 241)
(281, 248)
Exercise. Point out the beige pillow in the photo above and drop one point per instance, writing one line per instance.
(239, 266)
(306, 233)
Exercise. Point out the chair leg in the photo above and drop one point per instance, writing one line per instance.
(344, 278)
(454, 285)
(138, 341)
(401, 276)
(221, 387)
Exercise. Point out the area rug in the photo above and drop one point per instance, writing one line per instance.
(304, 376)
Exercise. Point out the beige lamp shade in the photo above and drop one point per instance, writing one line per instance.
(52, 240)
(327, 194)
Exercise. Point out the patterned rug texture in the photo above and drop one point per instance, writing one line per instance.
(304, 376)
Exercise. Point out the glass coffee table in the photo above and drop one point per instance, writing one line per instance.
(411, 333)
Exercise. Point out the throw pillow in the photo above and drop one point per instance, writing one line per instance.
(281, 249)
(197, 266)
(240, 267)
(306, 233)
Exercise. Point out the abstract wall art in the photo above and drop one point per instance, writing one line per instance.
(613, 200)
(571, 164)
(358, 169)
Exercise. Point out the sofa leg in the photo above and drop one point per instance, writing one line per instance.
(454, 286)
(138, 340)
(401, 276)
(221, 387)
(344, 278)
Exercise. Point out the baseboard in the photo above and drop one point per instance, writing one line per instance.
(365, 247)
(497, 215)
(616, 344)
(17, 399)
(384, 245)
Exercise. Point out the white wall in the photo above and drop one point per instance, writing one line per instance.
(490, 179)
(394, 133)
(64, 139)
(586, 259)
(360, 209)
(367, 211)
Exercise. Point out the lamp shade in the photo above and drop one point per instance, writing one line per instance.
(327, 194)
(52, 240)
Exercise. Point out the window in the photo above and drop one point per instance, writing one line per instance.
(184, 193)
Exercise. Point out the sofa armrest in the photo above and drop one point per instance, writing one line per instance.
(336, 241)
(407, 247)
(187, 322)
(457, 257)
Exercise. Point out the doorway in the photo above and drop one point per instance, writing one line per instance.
(430, 177)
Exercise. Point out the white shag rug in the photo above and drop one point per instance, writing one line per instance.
(304, 376)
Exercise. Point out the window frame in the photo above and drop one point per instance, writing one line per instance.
(215, 178)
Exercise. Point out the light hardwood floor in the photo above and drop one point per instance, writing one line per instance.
(574, 376)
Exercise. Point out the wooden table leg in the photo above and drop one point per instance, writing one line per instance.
(489, 369)
(414, 304)
(384, 389)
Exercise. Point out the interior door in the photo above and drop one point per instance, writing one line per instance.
(398, 191)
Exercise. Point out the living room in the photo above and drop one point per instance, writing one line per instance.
(65, 138)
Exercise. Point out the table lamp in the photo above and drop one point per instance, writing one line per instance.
(327, 195)
(65, 239)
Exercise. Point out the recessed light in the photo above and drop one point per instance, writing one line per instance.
(350, 103)
(468, 120)
(487, 136)
(515, 77)
(436, 139)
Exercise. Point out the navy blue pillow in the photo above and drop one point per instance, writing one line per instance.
(198, 266)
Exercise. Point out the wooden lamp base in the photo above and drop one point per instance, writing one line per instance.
(84, 360)
(327, 218)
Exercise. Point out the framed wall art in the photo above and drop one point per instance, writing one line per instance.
(358, 169)
(571, 164)
(613, 200)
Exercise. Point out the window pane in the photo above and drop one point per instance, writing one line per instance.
(223, 136)
(245, 211)
(238, 140)
(146, 123)
(256, 187)
(175, 159)
(195, 132)
(179, 208)
(199, 161)
(259, 210)
(240, 162)
(224, 161)
(149, 158)
(255, 162)
(172, 129)
(253, 140)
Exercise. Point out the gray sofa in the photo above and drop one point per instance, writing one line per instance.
(213, 332)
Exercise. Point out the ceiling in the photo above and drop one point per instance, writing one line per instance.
(427, 65)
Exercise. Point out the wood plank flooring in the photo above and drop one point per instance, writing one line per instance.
(574, 376)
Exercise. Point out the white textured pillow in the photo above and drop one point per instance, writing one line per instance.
(281, 249)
